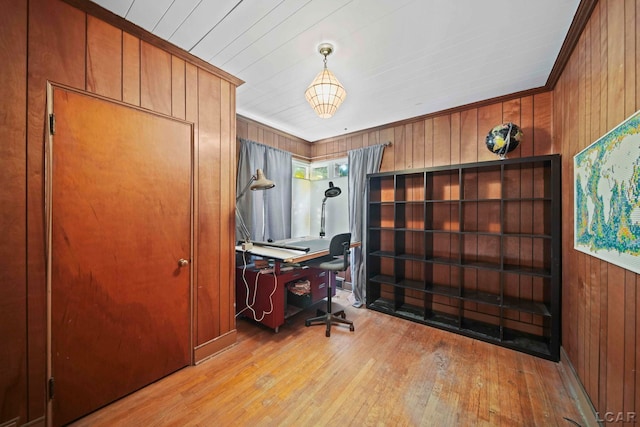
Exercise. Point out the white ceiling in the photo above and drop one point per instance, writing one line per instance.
(397, 59)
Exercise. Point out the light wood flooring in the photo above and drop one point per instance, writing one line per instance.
(389, 372)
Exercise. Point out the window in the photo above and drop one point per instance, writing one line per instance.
(340, 169)
(328, 169)
(318, 171)
(300, 170)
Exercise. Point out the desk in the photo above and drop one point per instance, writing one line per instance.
(267, 300)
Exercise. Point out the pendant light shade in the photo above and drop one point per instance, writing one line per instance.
(325, 93)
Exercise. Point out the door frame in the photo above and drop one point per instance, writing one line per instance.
(48, 147)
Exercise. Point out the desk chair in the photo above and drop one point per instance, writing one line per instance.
(339, 250)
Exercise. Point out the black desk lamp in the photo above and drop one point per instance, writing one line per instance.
(329, 192)
(257, 182)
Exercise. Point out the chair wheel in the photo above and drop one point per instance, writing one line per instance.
(307, 323)
(351, 328)
(328, 333)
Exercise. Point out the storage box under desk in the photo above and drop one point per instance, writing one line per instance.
(317, 292)
(268, 297)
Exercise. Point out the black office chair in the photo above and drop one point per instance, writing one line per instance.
(339, 250)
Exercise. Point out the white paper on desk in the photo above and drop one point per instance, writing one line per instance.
(271, 252)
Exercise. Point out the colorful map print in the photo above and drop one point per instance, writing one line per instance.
(607, 196)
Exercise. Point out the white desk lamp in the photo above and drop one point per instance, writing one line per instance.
(257, 182)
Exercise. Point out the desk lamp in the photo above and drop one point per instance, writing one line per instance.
(257, 182)
(329, 192)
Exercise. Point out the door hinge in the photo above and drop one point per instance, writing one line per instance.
(52, 124)
(51, 388)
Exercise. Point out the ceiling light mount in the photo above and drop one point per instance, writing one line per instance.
(325, 49)
(325, 93)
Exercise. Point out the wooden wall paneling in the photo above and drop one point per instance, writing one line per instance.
(298, 149)
(580, 311)
(130, 69)
(629, 370)
(580, 135)
(226, 234)
(259, 134)
(593, 31)
(209, 208)
(268, 139)
(70, 48)
(604, 67)
(590, 335)
(342, 146)
(637, 61)
(418, 144)
(13, 185)
(428, 143)
(525, 149)
(511, 113)
(381, 137)
(376, 137)
(57, 49)
(321, 150)
(231, 234)
(591, 382)
(615, 339)
(601, 401)
(455, 138)
(637, 343)
(357, 142)
(542, 113)
(570, 257)
(191, 115)
(407, 138)
(561, 94)
(242, 129)
(178, 88)
(283, 143)
(441, 140)
(616, 60)
(191, 95)
(488, 117)
(155, 79)
(469, 136)
(630, 47)
(345, 145)
(104, 59)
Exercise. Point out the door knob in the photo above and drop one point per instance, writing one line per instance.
(183, 262)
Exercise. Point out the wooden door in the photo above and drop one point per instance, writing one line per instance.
(121, 221)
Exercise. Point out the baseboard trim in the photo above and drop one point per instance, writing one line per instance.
(573, 383)
(213, 347)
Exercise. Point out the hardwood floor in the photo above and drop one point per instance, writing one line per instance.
(389, 372)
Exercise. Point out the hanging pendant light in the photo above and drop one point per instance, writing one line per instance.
(325, 93)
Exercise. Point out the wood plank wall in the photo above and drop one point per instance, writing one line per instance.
(255, 131)
(13, 204)
(50, 40)
(452, 138)
(598, 89)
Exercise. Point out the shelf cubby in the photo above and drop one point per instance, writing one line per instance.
(473, 249)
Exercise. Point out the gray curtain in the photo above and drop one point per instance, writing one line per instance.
(362, 161)
(267, 213)
(279, 169)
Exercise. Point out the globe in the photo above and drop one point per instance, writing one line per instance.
(504, 138)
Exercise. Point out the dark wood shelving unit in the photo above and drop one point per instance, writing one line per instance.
(472, 248)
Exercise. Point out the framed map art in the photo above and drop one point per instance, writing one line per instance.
(607, 196)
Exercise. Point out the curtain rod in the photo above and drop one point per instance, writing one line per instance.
(325, 156)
